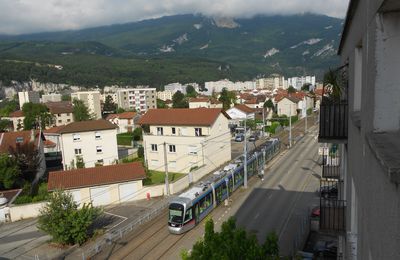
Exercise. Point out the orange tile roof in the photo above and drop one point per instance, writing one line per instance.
(84, 126)
(181, 116)
(88, 177)
(9, 139)
(60, 107)
(201, 99)
(53, 130)
(49, 144)
(244, 108)
(126, 115)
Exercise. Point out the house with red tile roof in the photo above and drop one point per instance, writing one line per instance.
(100, 185)
(207, 102)
(94, 141)
(62, 112)
(189, 138)
(125, 121)
(17, 118)
(240, 112)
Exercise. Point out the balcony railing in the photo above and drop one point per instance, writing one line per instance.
(331, 172)
(332, 215)
(333, 122)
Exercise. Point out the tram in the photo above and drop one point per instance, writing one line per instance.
(191, 207)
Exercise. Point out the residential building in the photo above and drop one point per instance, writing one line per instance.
(273, 82)
(125, 121)
(62, 112)
(138, 99)
(206, 102)
(287, 106)
(91, 99)
(94, 141)
(28, 97)
(165, 95)
(240, 112)
(100, 185)
(10, 141)
(298, 82)
(51, 98)
(175, 87)
(217, 86)
(363, 126)
(185, 138)
(17, 118)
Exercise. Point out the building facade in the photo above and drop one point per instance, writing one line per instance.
(367, 132)
(139, 99)
(62, 112)
(91, 99)
(28, 97)
(185, 139)
(51, 98)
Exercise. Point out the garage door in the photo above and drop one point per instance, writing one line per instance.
(100, 196)
(126, 191)
(76, 195)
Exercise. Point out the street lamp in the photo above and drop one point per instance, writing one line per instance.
(245, 153)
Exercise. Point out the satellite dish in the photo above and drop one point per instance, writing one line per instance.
(3, 200)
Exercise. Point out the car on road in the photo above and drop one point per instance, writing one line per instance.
(239, 138)
(253, 138)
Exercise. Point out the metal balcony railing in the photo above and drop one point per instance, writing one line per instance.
(333, 123)
(332, 215)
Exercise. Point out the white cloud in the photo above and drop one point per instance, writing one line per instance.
(24, 16)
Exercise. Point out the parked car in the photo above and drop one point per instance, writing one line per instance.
(253, 138)
(239, 138)
(329, 191)
(316, 212)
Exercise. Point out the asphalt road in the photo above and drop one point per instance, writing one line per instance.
(279, 203)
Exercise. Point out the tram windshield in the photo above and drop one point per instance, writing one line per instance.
(176, 213)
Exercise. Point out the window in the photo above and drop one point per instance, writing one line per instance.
(58, 114)
(154, 162)
(97, 136)
(173, 130)
(154, 148)
(68, 120)
(100, 162)
(99, 149)
(172, 148)
(78, 151)
(160, 131)
(192, 149)
(76, 137)
(60, 121)
(188, 215)
(19, 140)
(67, 114)
(172, 164)
(197, 131)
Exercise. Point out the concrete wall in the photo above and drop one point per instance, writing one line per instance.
(372, 50)
(63, 118)
(19, 212)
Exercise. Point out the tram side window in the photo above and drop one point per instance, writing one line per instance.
(188, 215)
(230, 185)
(205, 202)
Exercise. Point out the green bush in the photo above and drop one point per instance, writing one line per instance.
(125, 139)
(25, 197)
(62, 219)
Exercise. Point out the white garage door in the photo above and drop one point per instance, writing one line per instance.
(100, 196)
(76, 195)
(126, 191)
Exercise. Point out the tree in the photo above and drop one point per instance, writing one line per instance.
(161, 103)
(80, 111)
(137, 134)
(109, 105)
(66, 97)
(190, 91)
(6, 107)
(225, 98)
(232, 243)
(79, 162)
(120, 110)
(36, 115)
(4, 125)
(291, 89)
(269, 104)
(62, 219)
(179, 101)
(331, 81)
(27, 158)
(10, 174)
(306, 87)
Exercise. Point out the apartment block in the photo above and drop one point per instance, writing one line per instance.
(139, 99)
(28, 97)
(91, 99)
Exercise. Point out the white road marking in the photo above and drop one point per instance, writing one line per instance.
(118, 216)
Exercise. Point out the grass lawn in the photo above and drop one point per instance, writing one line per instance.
(124, 139)
(155, 177)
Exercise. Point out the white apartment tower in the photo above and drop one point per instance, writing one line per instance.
(91, 100)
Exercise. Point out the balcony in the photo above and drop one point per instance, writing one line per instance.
(333, 122)
(332, 215)
(331, 167)
(332, 206)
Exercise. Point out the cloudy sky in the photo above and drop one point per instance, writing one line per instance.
(27, 16)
